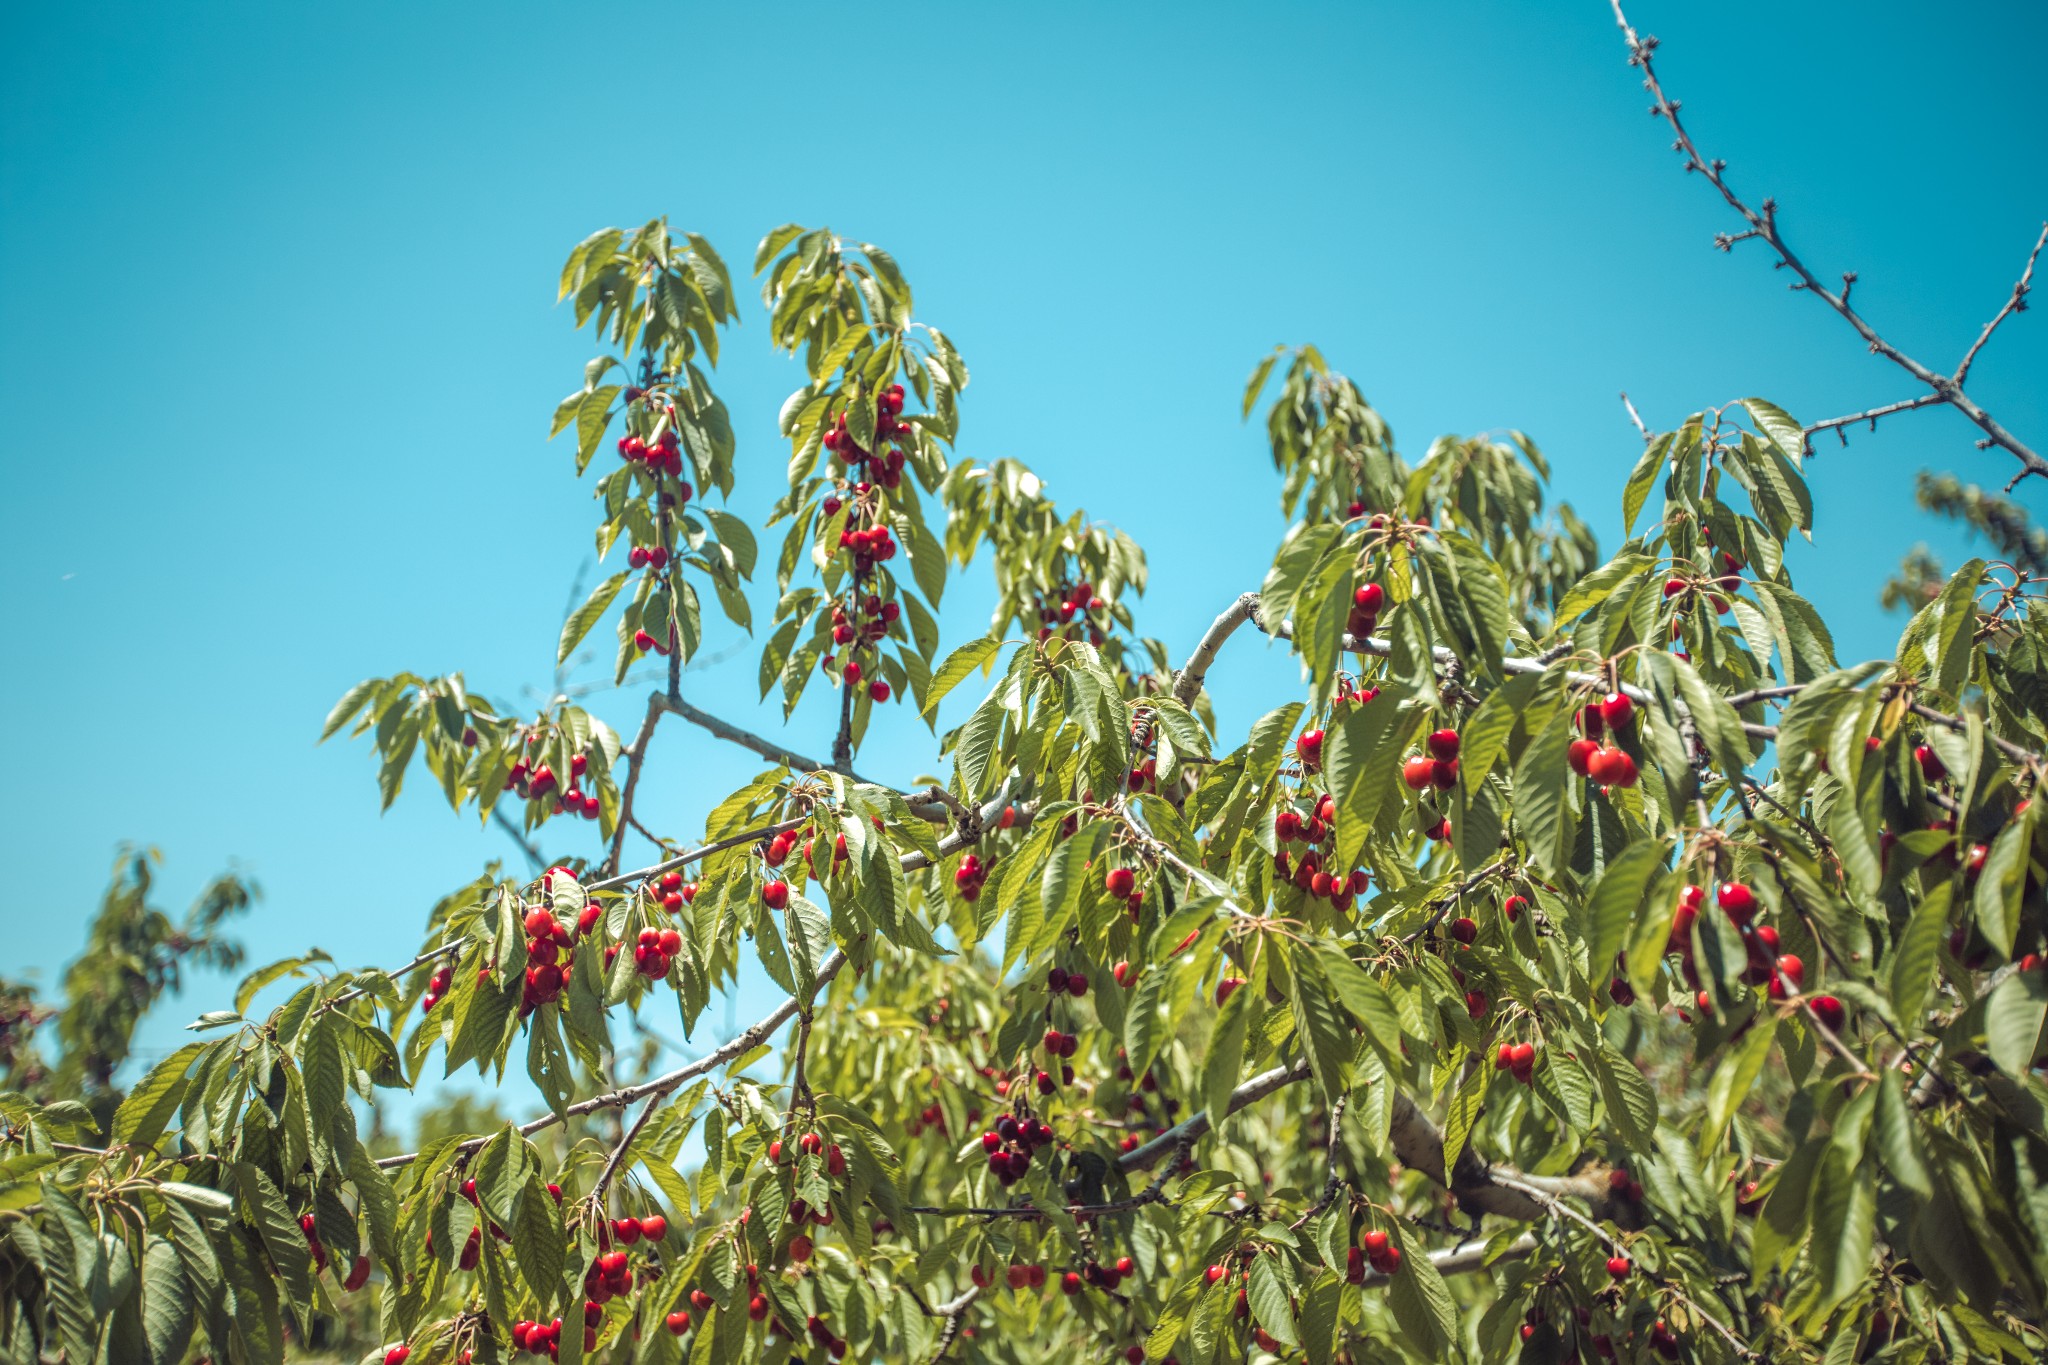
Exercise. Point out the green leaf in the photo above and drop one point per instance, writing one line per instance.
(584, 617)
(1225, 1055)
(1917, 955)
(957, 667)
(2013, 1014)
(1996, 903)
(1270, 1303)
(1542, 804)
(1640, 480)
(352, 701)
(1615, 898)
(1324, 1036)
(147, 1109)
(1421, 1300)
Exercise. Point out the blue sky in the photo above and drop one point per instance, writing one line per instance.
(279, 343)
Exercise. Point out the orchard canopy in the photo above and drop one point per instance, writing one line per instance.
(1583, 962)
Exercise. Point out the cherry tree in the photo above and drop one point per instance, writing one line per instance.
(1583, 963)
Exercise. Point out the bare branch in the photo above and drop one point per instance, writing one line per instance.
(636, 754)
(1763, 224)
(1637, 418)
(1839, 425)
(2015, 304)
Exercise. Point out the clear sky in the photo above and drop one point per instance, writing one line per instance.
(278, 342)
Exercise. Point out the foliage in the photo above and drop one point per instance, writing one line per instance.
(1382, 1032)
(134, 954)
(2021, 546)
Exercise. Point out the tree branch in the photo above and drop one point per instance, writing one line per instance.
(923, 806)
(637, 753)
(1838, 424)
(2017, 303)
(746, 1040)
(1763, 224)
(1187, 684)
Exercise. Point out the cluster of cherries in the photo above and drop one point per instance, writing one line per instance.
(889, 426)
(1122, 884)
(1438, 768)
(1015, 1276)
(437, 986)
(1374, 1249)
(880, 615)
(968, 877)
(654, 951)
(1518, 1060)
(1716, 589)
(550, 956)
(1364, 619)
(672, 893)
(647, 644)
(870, 545)
(533, 784)
(1607, 764)
(1059, 609)
(1782, 974)
(1309, 873)
(1103, 1277)
(665, 456)
(1011, 1142)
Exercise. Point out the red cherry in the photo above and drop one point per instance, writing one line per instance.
(1580, 756)
(1443, 744)
(1120, 881)
(1226, 987)
(878, 690)
(1617, 1267)
(1476, 1004)
(1418, 772)
(1931, 767)
(1369, 597)
(1464, 929)
(397, 1355)
(775, 895)
(1513, 907)
(679, 1323)
(1737, 902)
(800, 1248)
(654, 1227)
(1829, 1012)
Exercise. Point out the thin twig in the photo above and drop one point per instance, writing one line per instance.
(636, 754)
(1763, 224)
